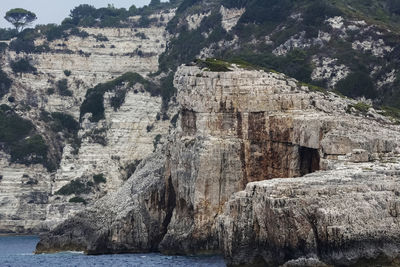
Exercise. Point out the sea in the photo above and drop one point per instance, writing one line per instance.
(19, 251)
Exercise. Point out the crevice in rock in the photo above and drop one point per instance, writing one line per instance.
(309, 160)
(171, 204)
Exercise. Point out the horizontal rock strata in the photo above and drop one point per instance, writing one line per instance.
(238, 130)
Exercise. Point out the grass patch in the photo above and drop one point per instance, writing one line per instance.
(360, 107)
(214, 65)
(313, 88)
(391, 112)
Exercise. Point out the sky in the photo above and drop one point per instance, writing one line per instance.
(54, 11)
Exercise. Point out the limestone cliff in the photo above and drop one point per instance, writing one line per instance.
(112, 147)
(238, 128)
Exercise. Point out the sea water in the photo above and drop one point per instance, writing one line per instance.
(18, 251)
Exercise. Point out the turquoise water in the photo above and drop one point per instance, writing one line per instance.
(18, 251)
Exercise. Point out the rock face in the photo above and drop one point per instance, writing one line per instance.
(138, 224)
(109, 147)
(342, 217)
(239, 128)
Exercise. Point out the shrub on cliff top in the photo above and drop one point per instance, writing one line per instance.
(214, 64)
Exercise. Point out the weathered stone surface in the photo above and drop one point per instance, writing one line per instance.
(131, 219)
(341, 217)
(108, 147)
(240, 128)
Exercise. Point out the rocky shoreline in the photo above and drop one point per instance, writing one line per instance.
(216, 184)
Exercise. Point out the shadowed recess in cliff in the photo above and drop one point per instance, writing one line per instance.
(269, 152)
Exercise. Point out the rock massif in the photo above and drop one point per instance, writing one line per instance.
(28, 203)
(254, 131)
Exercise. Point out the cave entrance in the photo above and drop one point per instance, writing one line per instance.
(309, 160)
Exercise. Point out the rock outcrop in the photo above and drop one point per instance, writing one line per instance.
(29, 203)
(237, 131)
(342, 217)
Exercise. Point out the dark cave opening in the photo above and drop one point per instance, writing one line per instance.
(309, 160)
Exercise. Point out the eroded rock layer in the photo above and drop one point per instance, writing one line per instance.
(110, 147)
(247, 126)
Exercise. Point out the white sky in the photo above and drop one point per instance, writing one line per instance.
(54, 11)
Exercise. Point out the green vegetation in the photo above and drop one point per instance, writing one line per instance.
(131, 168)
(77, 200)
(3, 47)
(97, 136)
(391, 112)
(64, 123)
(20, 18)
(31, 150)
(22, 44)
(361, 107)
(94, 100)
(214, 64)
(13, 128)
(20, 140)
(62, 86)
(99, 178)
(156, 141)
(5, 83)
(184, 48)
(22, 65)
(295, 64)
(76, 187)
(101, 38)
(314, 88)
(7, 34)
(67, 73)
(357, 84)
(174, 119)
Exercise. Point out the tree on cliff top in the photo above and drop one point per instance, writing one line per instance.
(20, 17)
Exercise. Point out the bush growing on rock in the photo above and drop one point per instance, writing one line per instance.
(22, 65)
(64, 122)
(5, 83)
(357, 84)
(67, 73)
(62, 86)
(99, 178)
(32, 150)
(77, 200)
(94, 99)
(76, 187)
